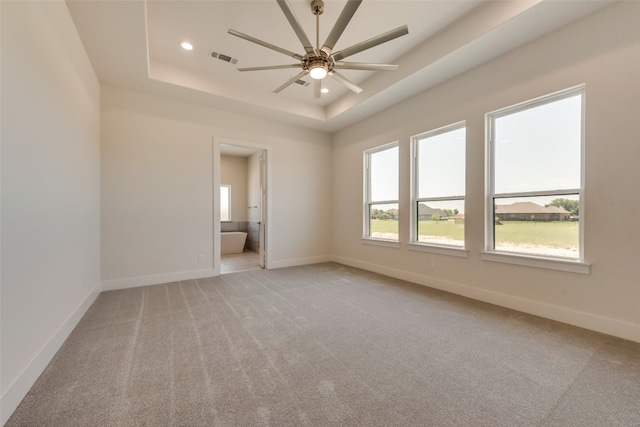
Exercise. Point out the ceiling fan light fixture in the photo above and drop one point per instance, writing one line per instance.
(318, 72)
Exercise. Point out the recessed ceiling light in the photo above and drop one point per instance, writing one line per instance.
(186, 46)
(324, 90)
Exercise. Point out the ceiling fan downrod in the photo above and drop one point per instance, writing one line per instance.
(319, 64)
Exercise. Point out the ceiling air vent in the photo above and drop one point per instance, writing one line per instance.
(223, 57)
(302, 83)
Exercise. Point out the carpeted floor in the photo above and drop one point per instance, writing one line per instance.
(327, 345)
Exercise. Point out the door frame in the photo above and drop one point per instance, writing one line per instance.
(265, 180)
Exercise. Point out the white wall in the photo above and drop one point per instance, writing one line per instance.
(50, 181)
(603, 51)
(234, 172)
(157, 203)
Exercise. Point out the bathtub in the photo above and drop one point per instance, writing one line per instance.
(232, 242)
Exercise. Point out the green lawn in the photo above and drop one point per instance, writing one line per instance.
(384, 226)
(447, 229)
(425, 228)
(553, 234)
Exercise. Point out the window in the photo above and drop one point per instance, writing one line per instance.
(439, 186)
(535, 184)
(381, 192)
(225, 203)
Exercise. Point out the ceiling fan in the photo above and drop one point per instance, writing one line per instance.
(320, 62)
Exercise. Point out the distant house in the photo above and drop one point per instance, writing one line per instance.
(529, 211)
(458, 218)
(425, 213)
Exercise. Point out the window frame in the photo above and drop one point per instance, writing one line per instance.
(367, 202)
(490, 253)
(415, 244)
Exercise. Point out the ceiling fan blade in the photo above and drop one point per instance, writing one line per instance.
(375, 41)
(348, 83)
(317, 87)
(291, 81)
(295, 24)
(263, 43)
(364, 66)
(270, 67)
(342, 22)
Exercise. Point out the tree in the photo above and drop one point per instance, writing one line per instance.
(571, 206)
(379, 214)
(450, 212)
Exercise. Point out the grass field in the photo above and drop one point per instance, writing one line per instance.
(448, 229)
(384, 226)
(554, 234)
(550, 234)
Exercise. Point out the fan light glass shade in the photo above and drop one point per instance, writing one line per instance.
(318, 72)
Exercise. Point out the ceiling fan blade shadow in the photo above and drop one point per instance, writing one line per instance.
(364, 66)
(270, 67)
(348, 83)
(291, 81)
(295, 24)
(375, 41)
(342, 22)
(264, 44)
(317, 88)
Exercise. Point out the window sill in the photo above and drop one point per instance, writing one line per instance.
(380, 242)
(569, 266)
(442, 250)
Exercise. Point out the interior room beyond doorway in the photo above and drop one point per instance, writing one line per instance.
(240, 208)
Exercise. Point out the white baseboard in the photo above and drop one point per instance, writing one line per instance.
(294, 262)
(594, 322)
(21, 386)
(156, 279)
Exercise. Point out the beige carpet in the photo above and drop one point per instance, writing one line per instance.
(327, 345)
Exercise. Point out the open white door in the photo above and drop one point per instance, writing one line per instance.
(263, 209)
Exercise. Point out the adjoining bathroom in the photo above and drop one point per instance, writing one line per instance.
(240, 208)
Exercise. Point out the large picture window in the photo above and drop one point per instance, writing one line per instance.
(535, 182)
(439, 186)
(381, 192)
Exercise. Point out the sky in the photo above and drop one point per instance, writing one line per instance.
(536, 149)
(539, 148)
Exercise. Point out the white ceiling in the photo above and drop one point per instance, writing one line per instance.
(136, 44)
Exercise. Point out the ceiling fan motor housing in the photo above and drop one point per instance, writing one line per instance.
(319, 59)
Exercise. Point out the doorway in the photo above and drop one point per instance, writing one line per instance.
(240, 220)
